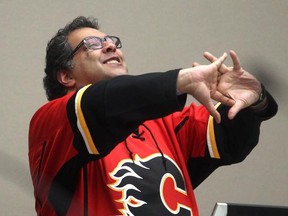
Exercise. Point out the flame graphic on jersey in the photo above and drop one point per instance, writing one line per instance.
(147, 178)
(126, 171)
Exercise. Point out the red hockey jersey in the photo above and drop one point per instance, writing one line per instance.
(128, 147)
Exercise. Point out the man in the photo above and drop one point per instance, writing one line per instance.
(109, 143)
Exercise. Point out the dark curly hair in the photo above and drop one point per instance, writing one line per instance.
(58, 55)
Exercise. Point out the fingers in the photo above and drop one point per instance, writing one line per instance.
(222, 69)
(213, 112)
(233, 111)
(235, 60)
(217, 117)
(219, 97)
(209, 57)
(218, 62)
(195, 64)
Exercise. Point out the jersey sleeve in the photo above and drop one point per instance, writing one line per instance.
(231, 141)
(207, 145)
(104, 114)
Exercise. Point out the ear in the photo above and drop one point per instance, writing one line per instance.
(65, 78)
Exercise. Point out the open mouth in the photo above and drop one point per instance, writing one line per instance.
(113, 60)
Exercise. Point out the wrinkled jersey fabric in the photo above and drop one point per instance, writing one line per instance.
(128, 146)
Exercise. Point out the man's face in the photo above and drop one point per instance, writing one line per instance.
(91, 66)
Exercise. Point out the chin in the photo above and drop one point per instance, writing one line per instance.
(119, 72)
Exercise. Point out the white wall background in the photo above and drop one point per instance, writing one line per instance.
(157, 36)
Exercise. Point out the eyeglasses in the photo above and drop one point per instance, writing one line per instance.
(94, 43)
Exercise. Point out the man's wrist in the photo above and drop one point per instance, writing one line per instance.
(262, 101)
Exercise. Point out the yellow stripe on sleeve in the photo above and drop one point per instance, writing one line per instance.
(211, 140)
(81, 123)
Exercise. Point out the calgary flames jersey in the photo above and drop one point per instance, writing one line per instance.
(128, 146)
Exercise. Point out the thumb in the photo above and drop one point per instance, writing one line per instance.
(220, 60)
(234, 110)
(212, 110)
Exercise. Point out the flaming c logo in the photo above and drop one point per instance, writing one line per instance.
(148, 188)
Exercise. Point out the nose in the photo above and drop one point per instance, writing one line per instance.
(108, 47)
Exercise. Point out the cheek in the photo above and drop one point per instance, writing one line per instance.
(89, 66)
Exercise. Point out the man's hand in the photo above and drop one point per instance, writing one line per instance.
(236, 83)
(201, 82)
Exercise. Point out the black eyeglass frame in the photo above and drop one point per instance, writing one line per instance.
(114, 39)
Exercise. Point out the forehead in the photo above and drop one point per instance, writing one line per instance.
(75, 37)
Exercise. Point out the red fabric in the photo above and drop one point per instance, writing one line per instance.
(112, 180)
